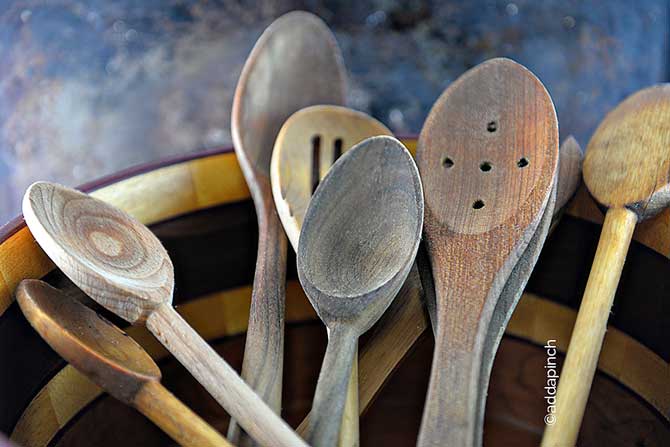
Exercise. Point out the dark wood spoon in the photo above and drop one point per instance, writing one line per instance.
(488, 157)
(295, 63)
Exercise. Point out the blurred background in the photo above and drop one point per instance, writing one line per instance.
(91, 87)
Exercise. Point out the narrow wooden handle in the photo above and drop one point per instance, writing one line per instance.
(349, 433)
(331, 389)
(220, 380)
(175, 418)
(589, 330)
(263, 362)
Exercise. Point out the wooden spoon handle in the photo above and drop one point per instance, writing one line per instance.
(589, 330)
(331, 388)
(175, 418)
(262, 366)
(220, 380)
(349, 432)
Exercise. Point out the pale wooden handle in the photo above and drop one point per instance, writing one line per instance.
(331, 389)
(349, 433)
(262, 366)
(589, 330)
(220, 380)
(175, 418)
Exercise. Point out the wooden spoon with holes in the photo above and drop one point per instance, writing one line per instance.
(112, 360)
(488, 156)
(119, 263)
(307, 145)
(627, 170)
(358, 242)
(294, 64)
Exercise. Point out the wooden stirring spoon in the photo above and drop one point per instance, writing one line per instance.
(627, 170)
(309, 142)
(112, 360)
(119, 263)
(488, 157)
(358, 242)
(295, 63)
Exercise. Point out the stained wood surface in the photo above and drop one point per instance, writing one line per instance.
(488, 158)
(360, 235)
(626, 169)
(294, 64)
(119, 263)
(307, 145)
(112, 360)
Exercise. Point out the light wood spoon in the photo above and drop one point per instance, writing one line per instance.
(294, 64)
(488, 156)
(307, 145)
(627, 170)
(119, 263)
(112, 360)
(358, 242)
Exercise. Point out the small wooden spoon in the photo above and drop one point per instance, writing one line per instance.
(119, 263)
(294, 64)
(112, 360)
(627, 170)
(358, 242)
(309, 142)
(488, 157)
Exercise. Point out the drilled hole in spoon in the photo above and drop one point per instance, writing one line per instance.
(485, 166)
(479, 204)
(523, 162)
(447, 162)
(492, 126)
(337, 149)
(316, 155)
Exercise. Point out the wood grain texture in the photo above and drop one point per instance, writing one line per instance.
(307, 145)
(488, 157)
(626, 169)
(358, 242)
(569, 171)
(112, 360)
(120, 264)
(295, 63)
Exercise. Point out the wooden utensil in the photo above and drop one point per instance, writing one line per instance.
(119, 263)
(358, 242)
(112, 360)
(488, 157)
(627, 170)
(309, 142)
(294, 64)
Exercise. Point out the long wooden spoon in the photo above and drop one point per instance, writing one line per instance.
(488, 157)
(627, 170)
(119, 263)
(112, 360)
(358, 242)
(307, 145)
(294, 64)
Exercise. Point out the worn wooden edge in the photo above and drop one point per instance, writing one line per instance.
(225, 314)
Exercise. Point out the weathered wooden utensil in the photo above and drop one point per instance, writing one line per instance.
(307, 145)
(488, 157)
(627, 170)
(119, 263)
(295, 63)
(358, 242)
(112, 360)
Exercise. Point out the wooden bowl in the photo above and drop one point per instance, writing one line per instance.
(200, 208)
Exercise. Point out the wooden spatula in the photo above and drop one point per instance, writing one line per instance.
(627, 170)
(112, 360)
(488, 157)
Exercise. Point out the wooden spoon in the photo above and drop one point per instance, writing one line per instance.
(309, 142)
(294, 64)
(358, 242)
(627, 170)
(488, 157)
(112, 360)
(119, 263)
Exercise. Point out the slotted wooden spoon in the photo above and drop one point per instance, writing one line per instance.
(112, 360)
(488, 157)
(119, 263)
(307, 145)
(627, 170)
(294, 64)
(358, 242)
